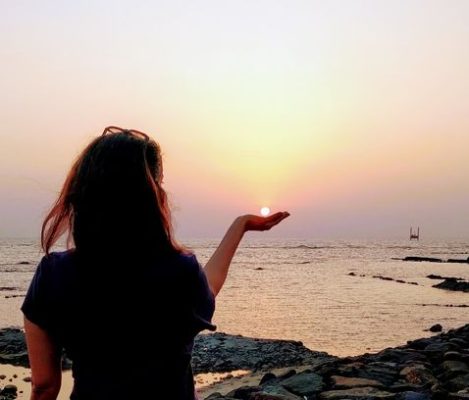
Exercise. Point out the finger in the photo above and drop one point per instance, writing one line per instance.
(279, 217)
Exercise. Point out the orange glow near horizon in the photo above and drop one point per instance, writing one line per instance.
(302, 109)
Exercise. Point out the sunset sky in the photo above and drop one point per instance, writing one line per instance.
(352, 115)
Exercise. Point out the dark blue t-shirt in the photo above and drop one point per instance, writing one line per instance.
(127, 325)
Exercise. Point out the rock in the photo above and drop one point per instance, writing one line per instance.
(436, 328)
(275, 393)
(13, 347)
(244, 392)
(418, 374)
(433, 276)
(415, 396)
(363, 393)
(384, 278)
(402, 387)
(458, 261)
(345, 382)
(455, 367)
(215, 396)
(441, 347)
(287, 374)
(459, 342)
(9, 390)
(303, 384)
(268, 377)
(453, 355)
(220, 352)
(459, 383)
(453, 284)
(420, 259)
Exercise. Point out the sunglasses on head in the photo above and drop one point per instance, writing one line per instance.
(116, 129)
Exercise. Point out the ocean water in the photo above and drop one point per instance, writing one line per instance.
(302, 290)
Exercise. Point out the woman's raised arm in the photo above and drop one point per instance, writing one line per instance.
(217, 267)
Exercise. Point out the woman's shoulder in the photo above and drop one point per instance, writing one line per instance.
(57, 261)
(187, 260)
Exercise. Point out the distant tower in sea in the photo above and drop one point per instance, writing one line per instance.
(415, 235)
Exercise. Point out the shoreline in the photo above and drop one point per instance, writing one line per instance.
(435, 367)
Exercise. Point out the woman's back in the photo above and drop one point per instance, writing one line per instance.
(128, 325)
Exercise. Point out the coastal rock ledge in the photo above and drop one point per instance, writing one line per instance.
(217, 352)
(435, 368)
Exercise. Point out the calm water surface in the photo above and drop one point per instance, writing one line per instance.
(301, 289)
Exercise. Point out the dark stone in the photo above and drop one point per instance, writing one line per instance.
(436, 328)
(287, 374)
(244, 392)
(303, 384)
(9, 390)
(415, 396)
(268, 377)
(432, 276)
(453, 284)
(277, 392)
(420, 259)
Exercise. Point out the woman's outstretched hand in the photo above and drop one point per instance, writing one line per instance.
(216, 268)
(258, 223)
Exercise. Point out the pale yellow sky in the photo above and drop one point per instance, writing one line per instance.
(351, 115)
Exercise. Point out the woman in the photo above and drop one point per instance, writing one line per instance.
(125, 301)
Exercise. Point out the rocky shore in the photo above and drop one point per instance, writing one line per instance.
(435, 368)
(218, 352)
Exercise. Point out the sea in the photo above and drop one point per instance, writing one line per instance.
(326, 294)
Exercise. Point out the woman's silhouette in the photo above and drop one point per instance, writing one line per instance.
(125, 301)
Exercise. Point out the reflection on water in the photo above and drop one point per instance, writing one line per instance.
(301, 290)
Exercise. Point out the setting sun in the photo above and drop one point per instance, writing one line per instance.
(265, 211)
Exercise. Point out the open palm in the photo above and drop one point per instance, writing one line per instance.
(258, 223)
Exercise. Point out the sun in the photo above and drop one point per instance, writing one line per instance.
(265, 211)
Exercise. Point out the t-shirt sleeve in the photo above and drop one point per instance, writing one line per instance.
(36, 305)
(203, 299)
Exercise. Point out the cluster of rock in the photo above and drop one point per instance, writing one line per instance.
(384, 278)
(437, 260)
(435, 368)
(449, 283)
(13, 347)
(8, 392)
(220, 352)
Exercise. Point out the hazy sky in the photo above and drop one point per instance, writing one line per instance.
(352, 115)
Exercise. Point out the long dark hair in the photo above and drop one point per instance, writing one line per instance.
(112, 199)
